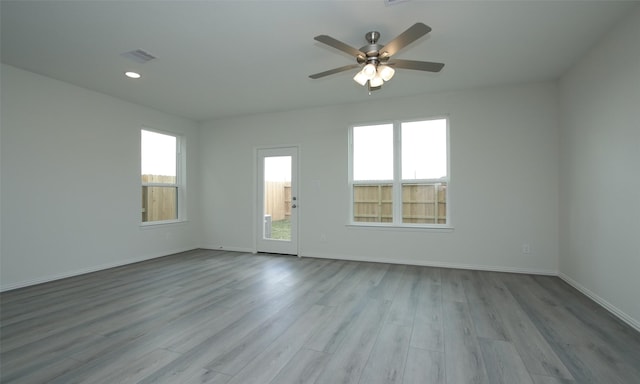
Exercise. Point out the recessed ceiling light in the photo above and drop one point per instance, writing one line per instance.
(132, 75)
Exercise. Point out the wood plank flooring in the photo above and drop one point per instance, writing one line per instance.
(221, 317)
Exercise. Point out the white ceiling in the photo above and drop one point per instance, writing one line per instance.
(224, 58)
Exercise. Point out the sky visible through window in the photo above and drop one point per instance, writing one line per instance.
(158, 154)
(424, 151)
(373, 152)
(277, 168)
(424, 146)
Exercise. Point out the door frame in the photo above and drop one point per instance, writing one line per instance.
(275, 246)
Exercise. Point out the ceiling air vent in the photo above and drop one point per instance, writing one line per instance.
(139, 56)
(393, 2)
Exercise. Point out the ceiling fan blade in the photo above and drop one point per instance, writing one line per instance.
(417, 65)
(337, 44)
(407, 37)
(335, 70)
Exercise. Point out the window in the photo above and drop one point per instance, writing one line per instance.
(162, 188)
(399, 173)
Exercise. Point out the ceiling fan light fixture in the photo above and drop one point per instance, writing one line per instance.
(369, 70)
(386, 72)
(361, 78)
(376, 81)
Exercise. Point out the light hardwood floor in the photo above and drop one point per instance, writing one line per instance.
(221, 317)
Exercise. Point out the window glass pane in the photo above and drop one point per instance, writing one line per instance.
(159, 203)
(158, 158)
(373, 203)
(424, 203)
(373, 152)
(424, 149)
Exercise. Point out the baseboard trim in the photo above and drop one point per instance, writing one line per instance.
(218, 247)
(428, 263)
(602, 302)
(84, 271)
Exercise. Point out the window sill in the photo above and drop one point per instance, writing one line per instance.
(387, 227)
(157, 224)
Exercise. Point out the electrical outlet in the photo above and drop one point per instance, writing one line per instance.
(323, 238)
(526, 249)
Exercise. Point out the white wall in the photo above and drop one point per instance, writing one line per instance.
(503, 193)
(71, 181)
(600, 172)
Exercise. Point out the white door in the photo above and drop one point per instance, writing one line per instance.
(277, 201)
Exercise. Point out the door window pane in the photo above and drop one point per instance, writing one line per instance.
(277, 198)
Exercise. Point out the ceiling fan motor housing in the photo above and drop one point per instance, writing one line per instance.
(372, 50)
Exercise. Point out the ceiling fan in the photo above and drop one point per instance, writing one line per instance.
(375, 59)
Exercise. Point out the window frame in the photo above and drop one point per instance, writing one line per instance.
(180, 183)
(397, 182)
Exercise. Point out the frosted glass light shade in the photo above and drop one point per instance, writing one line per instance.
(360, 78)
(369, 70)
(386, 72)
(376, 81)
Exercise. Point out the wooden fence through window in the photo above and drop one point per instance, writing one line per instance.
(277, 200)
(159, 202)
(421, 203)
